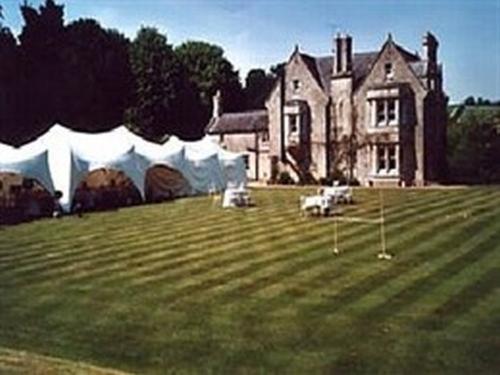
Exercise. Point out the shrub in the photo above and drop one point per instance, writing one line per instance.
(284, 178)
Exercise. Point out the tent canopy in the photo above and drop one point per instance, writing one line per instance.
(61, 158)
(31, 163)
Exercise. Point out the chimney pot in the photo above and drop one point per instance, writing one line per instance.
(217, 105)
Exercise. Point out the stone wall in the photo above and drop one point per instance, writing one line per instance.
(412, 143)
(311, 93)
(332, 118)
(244, 143)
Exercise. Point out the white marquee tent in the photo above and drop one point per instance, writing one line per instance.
(61, 158)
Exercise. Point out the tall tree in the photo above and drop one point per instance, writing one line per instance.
(258, 85)
(210, 71)
(40, 43)
(98, 80)
(470, 101)
(9, 88)
(160, 85)
(474, 147)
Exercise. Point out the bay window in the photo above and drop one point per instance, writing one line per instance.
(385, 112)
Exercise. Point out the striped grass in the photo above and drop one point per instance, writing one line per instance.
(190, 287)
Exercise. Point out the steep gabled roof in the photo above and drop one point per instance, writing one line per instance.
(419, 68)
(311, 64)
(416, 65)
(322, 67)
(408, 56)
(361, 66)
(240, 122)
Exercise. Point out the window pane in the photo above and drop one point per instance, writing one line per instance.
(292, 121)
(380, 112)
(392, 109)
(388, 68)
(392, 157)
(246, 160)
(381, 162)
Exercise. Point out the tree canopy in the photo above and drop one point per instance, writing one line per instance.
(258, 85)
(92, 79)
(97, 76)
(208, 70)
(160, 85)
(474, 146)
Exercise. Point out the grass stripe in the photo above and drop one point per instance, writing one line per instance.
(370, 281)
(260, 265)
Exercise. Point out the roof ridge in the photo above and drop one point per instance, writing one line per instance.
(239, 122)
(317, 57)
(406, 53)
(248, 111)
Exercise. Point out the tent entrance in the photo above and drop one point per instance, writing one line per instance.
(105, 189)
(164, 183)
(23, 199)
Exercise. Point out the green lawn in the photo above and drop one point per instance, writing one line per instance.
(189, 287)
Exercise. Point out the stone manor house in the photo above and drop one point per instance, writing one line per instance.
(377, 117)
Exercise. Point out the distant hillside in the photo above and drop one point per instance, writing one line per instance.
(484, 113)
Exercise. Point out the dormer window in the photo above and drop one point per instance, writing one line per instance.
(389, 71)
(296, 85)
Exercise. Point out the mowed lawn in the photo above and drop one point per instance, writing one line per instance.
(189, 287)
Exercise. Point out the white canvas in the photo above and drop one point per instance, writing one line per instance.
(61, 158)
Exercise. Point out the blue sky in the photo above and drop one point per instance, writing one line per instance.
(260, 33)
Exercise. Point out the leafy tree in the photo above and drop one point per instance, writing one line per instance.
(474, 148)
(40, 44)
(9, 89)
(470, 101)
(278, 69)
(483, 102)
(258, 85)
(209, 71)
(160, 86)
(97, 76)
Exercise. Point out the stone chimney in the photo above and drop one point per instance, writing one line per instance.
(217, 105)
(430, 46)
(343, 55)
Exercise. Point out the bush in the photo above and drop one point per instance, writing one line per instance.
(339, 176)
(284, 178)
(354, 182)
(325, 181)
